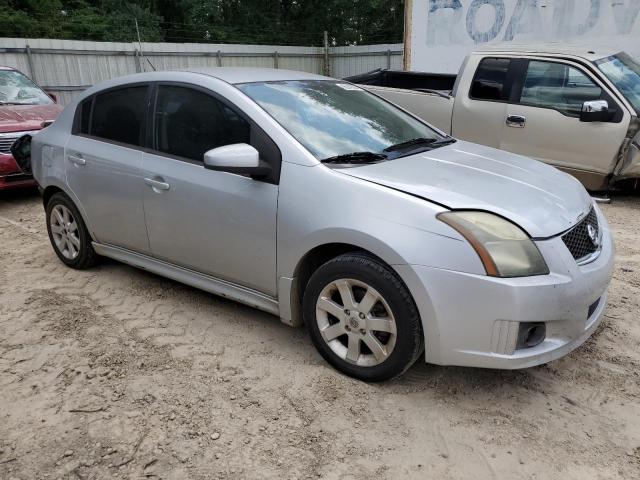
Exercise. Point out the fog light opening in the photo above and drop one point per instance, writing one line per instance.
(531, 334)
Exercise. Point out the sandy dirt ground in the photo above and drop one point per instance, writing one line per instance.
(117, 373)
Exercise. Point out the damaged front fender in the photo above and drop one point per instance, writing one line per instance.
(628, 165)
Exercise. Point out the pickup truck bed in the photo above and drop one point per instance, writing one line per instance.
(417, 81)
(427, 95)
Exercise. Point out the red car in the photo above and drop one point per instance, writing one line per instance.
(24, 108)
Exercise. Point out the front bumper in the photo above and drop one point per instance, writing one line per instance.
(18, 180)
(472, 320)
(11, 176)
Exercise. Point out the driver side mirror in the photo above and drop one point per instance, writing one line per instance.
(596, 111)
(239, 158)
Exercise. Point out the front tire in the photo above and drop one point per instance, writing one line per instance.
(68, 233)
(362, 318)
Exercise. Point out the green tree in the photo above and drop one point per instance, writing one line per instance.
(297, 22)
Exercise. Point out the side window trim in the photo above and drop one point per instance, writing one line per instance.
(77, 120)
(151, 137)
(518, 73)
(77, 116)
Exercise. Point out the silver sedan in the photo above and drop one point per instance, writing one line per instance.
(319, 202)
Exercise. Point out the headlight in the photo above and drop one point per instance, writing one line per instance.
(504, 248)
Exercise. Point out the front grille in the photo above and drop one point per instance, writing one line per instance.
(579, 240)
(7, 139)
(6, 142)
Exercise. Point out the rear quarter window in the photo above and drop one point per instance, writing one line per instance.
(489, 81)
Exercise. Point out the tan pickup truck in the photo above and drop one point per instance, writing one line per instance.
(575, 108)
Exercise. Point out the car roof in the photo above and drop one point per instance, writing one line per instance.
(248, 74)
(585, 51)
(3, 67)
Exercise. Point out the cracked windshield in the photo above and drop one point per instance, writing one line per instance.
(16, 89)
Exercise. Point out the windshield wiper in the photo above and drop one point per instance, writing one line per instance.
(431, 142)
(355, 157)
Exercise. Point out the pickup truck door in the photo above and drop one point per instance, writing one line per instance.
(478, 114)
(544, 120)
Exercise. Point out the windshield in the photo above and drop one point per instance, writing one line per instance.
(624, 72)
(17, 89)
(334, 119)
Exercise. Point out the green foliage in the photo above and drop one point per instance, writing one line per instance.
(278, 22)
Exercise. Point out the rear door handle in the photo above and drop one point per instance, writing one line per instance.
(77, 159)
(157, 184)
(516, 121)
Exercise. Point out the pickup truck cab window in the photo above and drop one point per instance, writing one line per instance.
(558, 86)
(189, 122)
(490, 80)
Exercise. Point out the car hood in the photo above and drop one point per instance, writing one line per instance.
(17, 118)
(539, 198)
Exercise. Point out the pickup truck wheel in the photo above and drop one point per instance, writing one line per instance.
(68, 233)
(361, 318)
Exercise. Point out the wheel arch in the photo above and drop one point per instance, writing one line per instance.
(291, 287)
(53, 188)
(49, 192)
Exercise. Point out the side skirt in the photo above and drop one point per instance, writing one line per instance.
(204, 282)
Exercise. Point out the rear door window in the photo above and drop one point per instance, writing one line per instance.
(490, 80)
(189, 122)
(118, 115)
(558, 86)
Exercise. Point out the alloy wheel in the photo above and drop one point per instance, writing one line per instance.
(64, 230)
(356, 322)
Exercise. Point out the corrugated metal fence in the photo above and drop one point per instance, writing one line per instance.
(66, 67)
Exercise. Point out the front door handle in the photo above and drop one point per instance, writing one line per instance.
(516, 121)
(157, 184)
(76, 159)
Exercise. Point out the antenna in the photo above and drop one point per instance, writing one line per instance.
(140, 46)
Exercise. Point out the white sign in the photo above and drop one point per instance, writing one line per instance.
(439, 33)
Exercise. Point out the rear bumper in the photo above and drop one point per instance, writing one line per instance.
(473, 320)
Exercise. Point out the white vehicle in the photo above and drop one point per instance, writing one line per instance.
(314, 200)
(574, 108)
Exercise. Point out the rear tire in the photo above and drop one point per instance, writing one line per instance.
(362, 318)
(68, 234)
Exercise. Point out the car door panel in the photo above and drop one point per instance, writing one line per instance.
(106, 178)
(550, 102)
(478, 113)
(216, 223)
(563, 141)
